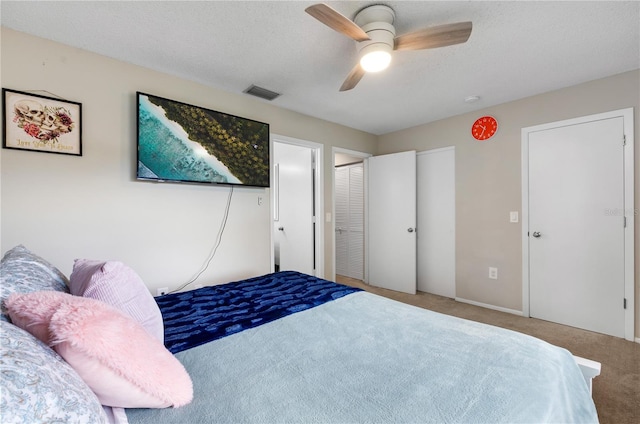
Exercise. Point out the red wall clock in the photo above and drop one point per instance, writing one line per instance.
(484, 128)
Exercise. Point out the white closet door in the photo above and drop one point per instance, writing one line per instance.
(437, 222)
(392, 221)
(356, 221)
(349, 221)
(341, 220)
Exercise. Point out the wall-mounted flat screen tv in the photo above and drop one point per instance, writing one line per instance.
(178, 142)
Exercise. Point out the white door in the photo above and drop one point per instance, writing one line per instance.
(437, 222)
(341, 207)
(392, 221)
(293, 208)
(349, 220)
(576, 237)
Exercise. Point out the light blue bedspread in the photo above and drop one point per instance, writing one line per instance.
(364, 358)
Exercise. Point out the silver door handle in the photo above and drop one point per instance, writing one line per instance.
(280, 228)
(536, 234)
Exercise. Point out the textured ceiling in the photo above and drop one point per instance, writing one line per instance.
(517, 49)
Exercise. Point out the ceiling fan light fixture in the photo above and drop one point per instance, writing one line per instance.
(375, 54)
(375, 58)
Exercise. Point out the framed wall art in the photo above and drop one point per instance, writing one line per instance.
(41, 123)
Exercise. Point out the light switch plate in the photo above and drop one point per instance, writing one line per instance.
(513, 216)
(493, 273)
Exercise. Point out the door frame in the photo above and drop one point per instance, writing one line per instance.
(363, 156)
(629, 211)
(317, 149)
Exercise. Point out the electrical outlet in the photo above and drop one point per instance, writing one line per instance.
(162, 291)
(493, 273)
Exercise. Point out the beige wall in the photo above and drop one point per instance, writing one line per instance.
(488, 178)
(66, 207)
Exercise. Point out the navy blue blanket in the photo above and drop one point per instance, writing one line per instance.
(199, 316)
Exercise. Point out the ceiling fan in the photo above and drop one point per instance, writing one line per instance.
(375, 34)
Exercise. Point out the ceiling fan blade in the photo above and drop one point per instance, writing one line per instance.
(353, 78)
(336, 21)
(439, 36)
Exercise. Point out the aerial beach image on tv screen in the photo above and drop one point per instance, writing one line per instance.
(181, 142)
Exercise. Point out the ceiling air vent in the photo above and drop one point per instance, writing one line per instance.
(263, 93)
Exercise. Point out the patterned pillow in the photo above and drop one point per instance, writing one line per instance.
(39, 386)
(21, 271)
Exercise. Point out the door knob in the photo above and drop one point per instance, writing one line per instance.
(410, 230)
(536, 234)
(280, 228)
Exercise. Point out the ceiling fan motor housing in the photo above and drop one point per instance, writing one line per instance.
(381, 37)
(377, 22)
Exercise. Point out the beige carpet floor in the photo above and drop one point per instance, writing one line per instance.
(616, 392)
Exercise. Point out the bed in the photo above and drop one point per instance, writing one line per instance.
(288, 347)
(291, 348)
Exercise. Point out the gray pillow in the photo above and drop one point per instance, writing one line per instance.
(22, 271)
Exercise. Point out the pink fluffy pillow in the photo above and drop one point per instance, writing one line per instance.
(118, 359)
(121, 287)
(33, 311)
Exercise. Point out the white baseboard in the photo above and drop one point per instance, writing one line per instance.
(501, 309)
(486, 305)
